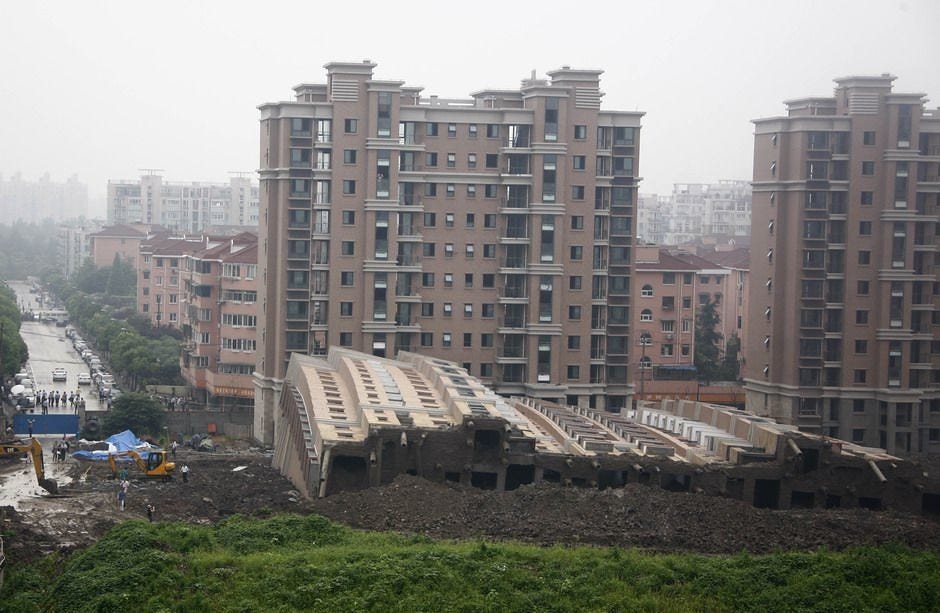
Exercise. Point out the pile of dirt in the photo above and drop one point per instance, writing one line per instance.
(633, 516)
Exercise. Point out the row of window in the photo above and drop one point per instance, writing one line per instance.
(303, 127)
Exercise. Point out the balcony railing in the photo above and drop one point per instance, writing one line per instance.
(512, 322)
(513, 263)
(513, 292)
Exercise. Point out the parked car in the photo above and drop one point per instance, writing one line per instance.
(60, 374)
(84, 378)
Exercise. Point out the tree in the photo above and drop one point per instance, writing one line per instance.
(730, 367)
(136, 412)
(707, 339)
(122, 280)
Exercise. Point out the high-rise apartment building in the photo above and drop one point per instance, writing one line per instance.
(494, 231)
(182, 206)
(843, 327)
(74, 245)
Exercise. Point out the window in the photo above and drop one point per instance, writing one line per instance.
(349, 187)
(486, 340)
(578, 162)
(860, 375)
(467, 310)
(427, 309)
(430, 189)
(430, 160)
(577, 192)
(448, 279)
(492, 160)
(646, 315)
(489, 252)
(468, 340)
(863, 288)
(864, 258)
(469, 250)
(490, 190)
(686, 302)
(345, 339)
(451, 129)
(427, 279)
(471, 160)
(868, 168)
(574, 372)
(427, 339)
(574, 283)
(647, 291)
(451, 190)
(488, 310)
(239, 344)
(349, 218)
(430, 220)
(489, 279)
(574, 342)
(577, 253)
(448, 309)
(468, 279)
(351, 126)
(430, 129)
(861, 346)
(239, 320)
(580, 132)
(867, 198)
(428, 250)
(492, 130)
(861, 316)
(346, 278)
(348, 248)
(451, 160)
(864, 228)
(666, 350)
(669, 278)
(446, 339)
(868, 138)
(345, 309)
(448, 250)
(472, 130)
(489, 221)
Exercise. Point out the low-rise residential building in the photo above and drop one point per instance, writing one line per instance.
(160, 290)
(220, 319)
(674, 285)
(122, 240)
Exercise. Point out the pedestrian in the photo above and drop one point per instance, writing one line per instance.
(173, 447)
(122, 497)
(29, 426)
(150, 510)
(185, 472)
(123, 475)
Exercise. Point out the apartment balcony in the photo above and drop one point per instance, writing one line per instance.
(408, 260)
(517, 323)
(319, 323)
(320, 290)
(513, 263)
(600, 264)
(515, 203)
(514, 234)
(510, 355)
(514, 292)
(409, 200)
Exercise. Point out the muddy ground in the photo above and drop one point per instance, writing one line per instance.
(634, 516)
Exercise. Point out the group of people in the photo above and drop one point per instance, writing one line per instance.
(52, 399)
(60, 450)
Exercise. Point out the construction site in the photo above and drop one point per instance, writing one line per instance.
(417, 446)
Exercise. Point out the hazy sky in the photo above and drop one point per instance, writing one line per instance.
(103, 89)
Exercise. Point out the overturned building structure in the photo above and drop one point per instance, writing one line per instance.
(351, 420)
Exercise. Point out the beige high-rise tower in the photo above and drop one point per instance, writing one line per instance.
(843, 321)
(494, 231)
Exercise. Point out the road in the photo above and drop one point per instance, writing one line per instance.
(48, 350)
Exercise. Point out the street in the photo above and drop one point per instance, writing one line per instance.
(48, 350)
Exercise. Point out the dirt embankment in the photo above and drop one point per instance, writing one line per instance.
(634, 516)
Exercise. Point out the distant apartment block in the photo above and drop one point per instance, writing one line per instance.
(844, 326)
(34, 201)
(495, 231)
(74, 246)
(183, 206)
(696, 211)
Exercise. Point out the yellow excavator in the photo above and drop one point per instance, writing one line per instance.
(34, 449)
(152, 463)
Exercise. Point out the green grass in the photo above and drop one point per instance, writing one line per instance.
(289, 563)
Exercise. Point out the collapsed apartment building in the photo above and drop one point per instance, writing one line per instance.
(351, 420)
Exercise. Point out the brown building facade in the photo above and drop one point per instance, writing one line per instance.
(122, 240)
(843, 326)
(494, 231)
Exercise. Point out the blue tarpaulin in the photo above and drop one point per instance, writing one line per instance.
(122, 441)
